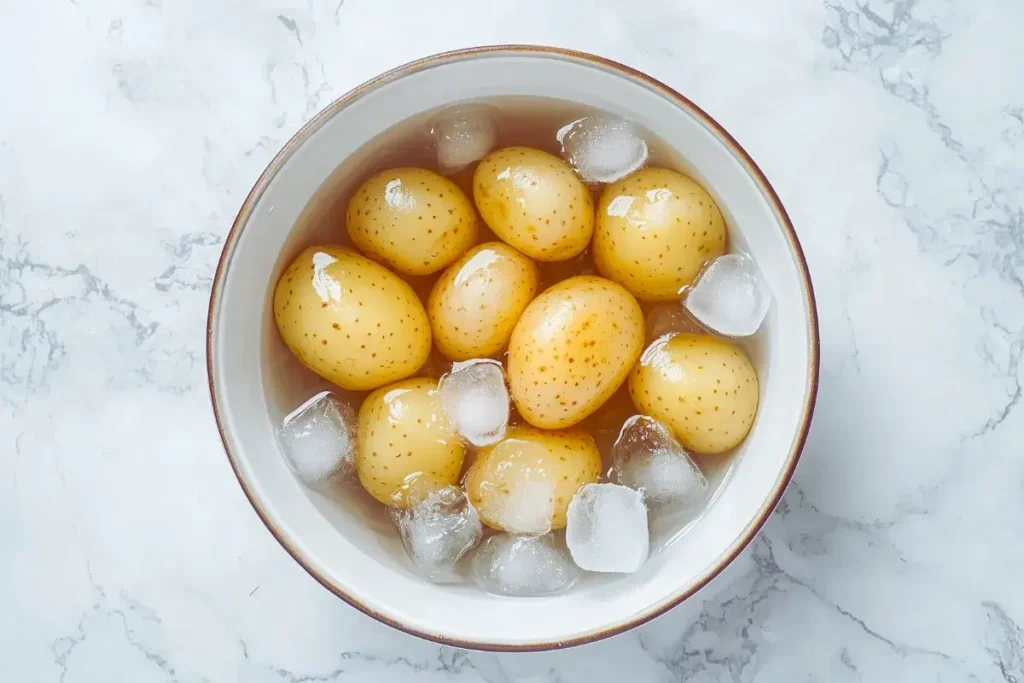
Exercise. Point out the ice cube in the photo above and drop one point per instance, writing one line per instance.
(523, 565)
(607, 529)
(463, 135)
(602, 150)
(646, 457)
(475, 398)
(730, 296)
(318, 439)
(437, 529)
(524, 507)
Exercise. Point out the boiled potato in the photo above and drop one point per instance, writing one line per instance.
(535, 202)
(507, 477)
(703, 388)
(402, 434)
(350, 320)
(478, 300)
(412, 220)
(572, 348)
(655, 229)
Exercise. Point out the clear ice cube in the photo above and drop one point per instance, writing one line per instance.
(462, 135)
(475, 398)
(437, 529)
(730, 296)
(607, 529)
(646, 457)
(602, 150)
(318, 439)
(523, 565)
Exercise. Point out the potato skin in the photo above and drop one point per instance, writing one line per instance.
(350, 320)
(654, 231)
(403, 432)
(478, 300)
(572, 348)
(566, 458)
(535, 202)
(413, 220)
(704, 388)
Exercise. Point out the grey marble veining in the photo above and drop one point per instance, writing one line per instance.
(131, 130)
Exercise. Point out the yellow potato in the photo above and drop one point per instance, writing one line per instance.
(478, 300)
(404, 434)
(572, 348)
(555, 463)
(411, 219)
(534, 201)
(654, 231)
(703, 388)
(350, 320)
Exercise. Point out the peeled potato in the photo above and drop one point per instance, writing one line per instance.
(572, 348)
(350, 320)
(403, 434)
(535, 202)
(411, 219)
(478, 300)
(654, 231)
(557, 463)
(703, 388)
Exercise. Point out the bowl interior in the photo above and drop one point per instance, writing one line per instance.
(344, 539)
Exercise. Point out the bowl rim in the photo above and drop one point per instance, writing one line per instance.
(679, 100)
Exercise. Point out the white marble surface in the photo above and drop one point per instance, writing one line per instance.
(130, 131)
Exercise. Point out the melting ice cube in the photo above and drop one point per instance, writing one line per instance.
(602, 150)
(523, 565)
(463, 135)
(318, 439)
(730, 296)
(437, 529)
(648, 458)
(607, 529)
(475, 398)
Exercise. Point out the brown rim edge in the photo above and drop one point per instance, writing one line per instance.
(684, 103)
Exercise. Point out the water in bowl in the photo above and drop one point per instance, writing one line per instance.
(540, 123)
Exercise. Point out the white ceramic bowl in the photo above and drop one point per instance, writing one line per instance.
(346, 546)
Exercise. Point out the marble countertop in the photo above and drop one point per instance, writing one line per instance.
(131, 130)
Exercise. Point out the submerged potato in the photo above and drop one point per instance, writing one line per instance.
(403, 432)
(535, 202)
(654, 231)
(703, 388)
(554, 463)
(411, 219)
(478, 300)
(350, 320)
(572, 348)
